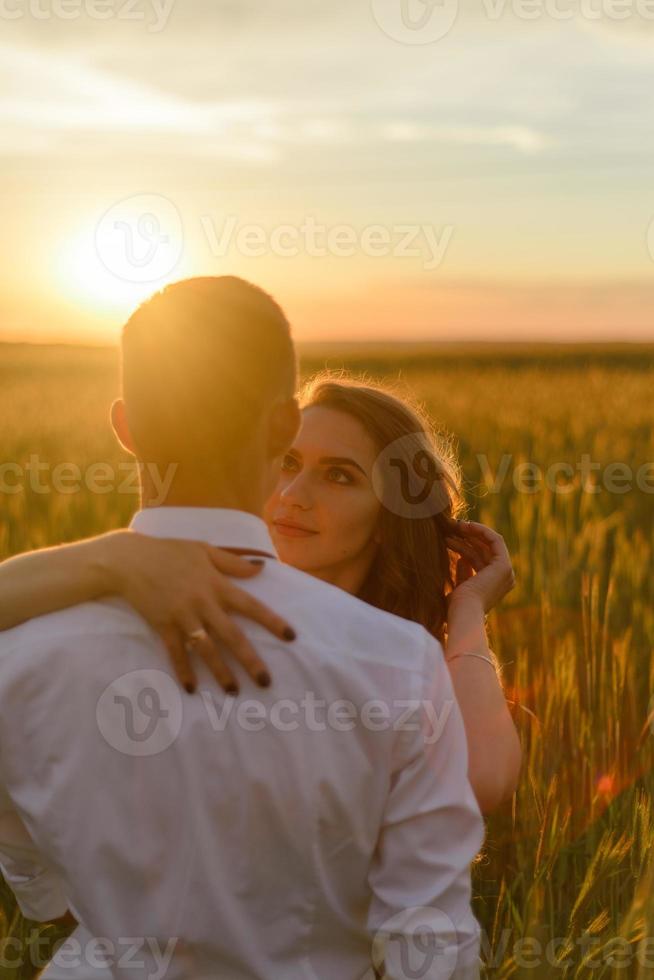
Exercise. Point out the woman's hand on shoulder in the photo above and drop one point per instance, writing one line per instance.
(186, 592)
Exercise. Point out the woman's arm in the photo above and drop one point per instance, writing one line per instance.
(484, 575)
(40, 582)
(178, 586)
(494, 751)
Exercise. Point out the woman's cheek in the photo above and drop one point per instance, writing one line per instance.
(358, 524)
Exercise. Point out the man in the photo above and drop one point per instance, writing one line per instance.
(192, 839)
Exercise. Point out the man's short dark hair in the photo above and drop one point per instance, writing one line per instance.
(201, 360)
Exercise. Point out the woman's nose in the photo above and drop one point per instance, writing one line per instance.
(296, 493)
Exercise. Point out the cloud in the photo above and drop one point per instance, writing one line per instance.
(45, 92)
(522, 138)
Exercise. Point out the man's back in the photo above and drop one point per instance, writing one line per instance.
(269, 835)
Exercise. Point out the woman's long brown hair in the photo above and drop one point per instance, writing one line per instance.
(413, 571)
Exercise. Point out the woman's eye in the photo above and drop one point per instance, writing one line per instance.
(290, 463)
(336, 475)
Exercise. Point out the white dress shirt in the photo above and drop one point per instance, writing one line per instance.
(305, 830)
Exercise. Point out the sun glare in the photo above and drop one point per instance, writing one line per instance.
(112, 264)
(84, 277)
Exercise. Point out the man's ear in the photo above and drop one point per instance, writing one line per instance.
(284, 425)
(120, 425)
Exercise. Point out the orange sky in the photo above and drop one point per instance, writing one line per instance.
(487, 176)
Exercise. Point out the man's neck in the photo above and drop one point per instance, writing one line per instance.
(202, 501)
(249, 498)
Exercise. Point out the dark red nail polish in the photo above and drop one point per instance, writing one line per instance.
(263, 678)
(289, 634)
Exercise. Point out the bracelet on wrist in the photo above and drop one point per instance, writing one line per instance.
(492, 660)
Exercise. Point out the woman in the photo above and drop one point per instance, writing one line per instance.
(351, 509)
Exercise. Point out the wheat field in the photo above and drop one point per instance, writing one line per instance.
(563, 887)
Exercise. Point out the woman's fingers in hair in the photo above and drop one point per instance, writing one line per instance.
(463, 571)
(466, 550)
(481, 535)
(479, 531)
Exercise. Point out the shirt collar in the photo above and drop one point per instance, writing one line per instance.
(217, 526)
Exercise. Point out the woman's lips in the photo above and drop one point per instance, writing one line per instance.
(292, 530)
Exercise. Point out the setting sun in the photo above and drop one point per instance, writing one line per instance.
(114, 263)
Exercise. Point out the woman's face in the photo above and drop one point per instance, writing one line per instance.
(324, 512)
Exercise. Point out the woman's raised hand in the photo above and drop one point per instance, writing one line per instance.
(185, 589)
(484, 572)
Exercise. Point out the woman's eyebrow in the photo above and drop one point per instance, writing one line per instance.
(341, 461)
